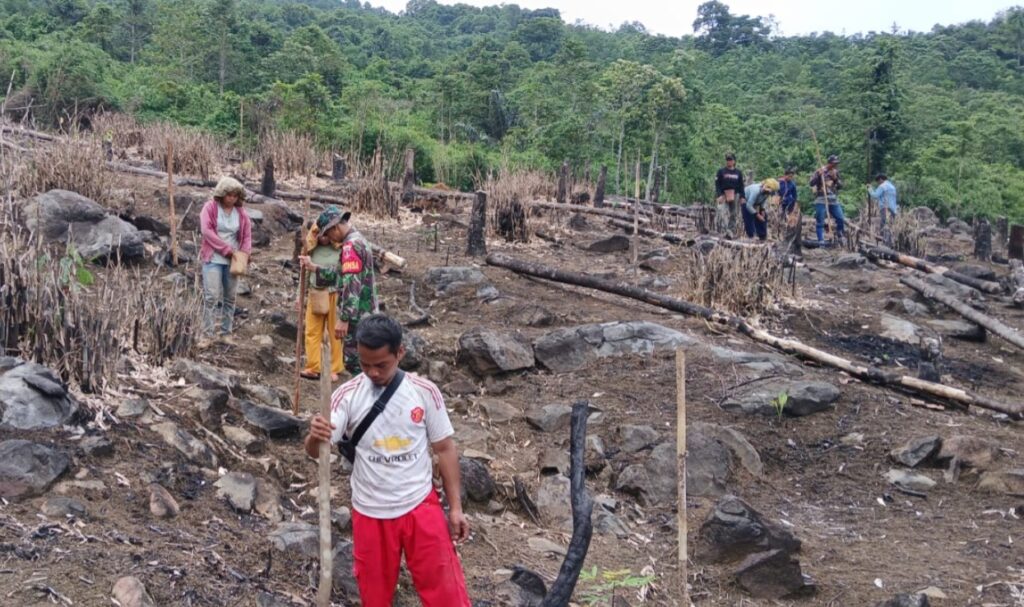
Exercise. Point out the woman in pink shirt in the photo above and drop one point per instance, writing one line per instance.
(226, 230)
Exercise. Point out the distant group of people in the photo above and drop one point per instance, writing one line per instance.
(753, 201)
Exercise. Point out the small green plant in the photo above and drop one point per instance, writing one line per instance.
(600, 587)
(73, 272)
(779, 403)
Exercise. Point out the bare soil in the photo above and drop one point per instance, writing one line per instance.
(863, 541)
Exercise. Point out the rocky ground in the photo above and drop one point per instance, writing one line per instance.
(187, 484)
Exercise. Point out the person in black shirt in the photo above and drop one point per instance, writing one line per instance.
(728, 192)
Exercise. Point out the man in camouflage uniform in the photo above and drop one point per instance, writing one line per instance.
(358, 291)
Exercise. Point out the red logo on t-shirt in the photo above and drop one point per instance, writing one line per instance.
(351, 263)
(417, 415)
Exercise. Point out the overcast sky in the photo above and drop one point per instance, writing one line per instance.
(675, 17)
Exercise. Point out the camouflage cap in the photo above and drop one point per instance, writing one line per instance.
(330, 217)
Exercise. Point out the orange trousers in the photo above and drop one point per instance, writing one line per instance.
(316, 324)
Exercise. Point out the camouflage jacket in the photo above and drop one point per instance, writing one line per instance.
(358, 282)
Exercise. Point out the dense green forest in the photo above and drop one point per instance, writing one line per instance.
(475, 89)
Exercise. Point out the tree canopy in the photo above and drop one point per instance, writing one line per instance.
(473, 89)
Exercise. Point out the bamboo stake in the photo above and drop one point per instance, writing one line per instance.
(636, 218)
(323, 597)
(681, 469)
(170, 200)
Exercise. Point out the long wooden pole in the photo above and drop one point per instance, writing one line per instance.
(300, 331)
(741, 325)
(1008, 333)
(323, 597)
(684, 591)
(636, 218)
(874, 252)
(170, 199)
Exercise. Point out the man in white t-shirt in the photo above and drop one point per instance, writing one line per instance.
(395, 508)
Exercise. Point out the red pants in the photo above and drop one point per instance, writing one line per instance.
(422, 534)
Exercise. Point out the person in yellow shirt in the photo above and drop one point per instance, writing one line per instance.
(322, 249)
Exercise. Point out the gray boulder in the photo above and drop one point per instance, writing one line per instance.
(553, 502)
(477, 482)
(573, 348)
(634, 438)
(206, 376)
(28, 469)
(32, 397)
(296, 539)
(448, 279)
(1008, 482)
(415, 351)
(96, 235)
(549, 418)
(191, 447)
(802, 398)
(897, 329)
(905, 600)
(923, 216)
(654, 482)
(916, 451)
(488, 352)
(612, 244)
(771, 575)
(239, 489)
(734, 530)
(273, 422)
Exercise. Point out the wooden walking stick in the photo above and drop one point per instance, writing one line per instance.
(300, 332)
(681, 469)
(170, 201)
(323, 596)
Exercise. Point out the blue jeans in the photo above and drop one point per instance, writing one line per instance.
(835, 210)
(752, 225)
(218, 298)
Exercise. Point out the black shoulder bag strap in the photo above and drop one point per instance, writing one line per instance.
(347, 446)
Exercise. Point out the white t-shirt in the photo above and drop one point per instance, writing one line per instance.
(228, 224)
(392, 471)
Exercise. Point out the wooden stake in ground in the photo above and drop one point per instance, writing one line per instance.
(170, 201)
(301, 324)
(323, 596)
(681, 469)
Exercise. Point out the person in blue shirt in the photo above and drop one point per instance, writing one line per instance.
(885, 194)
(787, 192)
(754, 202)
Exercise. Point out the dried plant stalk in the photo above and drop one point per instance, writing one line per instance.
(78, 166)
(507, 192)
(745, 281)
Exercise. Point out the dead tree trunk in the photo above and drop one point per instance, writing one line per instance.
(409, 181)
(873, 252)
(338, 168)
(1008, 333)
(1015, 248)
(983, 240)
(628, 227)
(739, 324)
(1017, 282)
(599, 192)
(656, 186)
(268, 185)
(1002, 233)
(582, 509)
(563, 182)
(477, 243)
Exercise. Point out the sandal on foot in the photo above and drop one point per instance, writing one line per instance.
(307, 374)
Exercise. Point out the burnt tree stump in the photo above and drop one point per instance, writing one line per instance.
(268, 185)
(338, 168)
(563, 182)
(1015, 250)
(599, 192)
(477, 241)
(1002, 233)
(983, 240)
(409, 181)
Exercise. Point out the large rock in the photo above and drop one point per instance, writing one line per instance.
(549, 418)
(612, 244)
(161, 503)
(771, 575)
(130, 592)
(477, 483)
(1009, 482)
(343, 578)
(553, 502)
(415, 351)
(973, 451)
(32, 397)
(916, 451)
(448, 279)
(524, 589)
(900, 330)
(802, 398)
(734, 530)
(267, 395)
(905, 600)
(909, 480)
(239, 489)
(296, 539)
(573, 348)
(28, 469)
(206, 376)
(635, 438)
(923, 216)
(735, 442)
(96, 235)
(63, 507)
(275, 423)
(194, 449)
(958, 329)
(488, 352)
(654, 482)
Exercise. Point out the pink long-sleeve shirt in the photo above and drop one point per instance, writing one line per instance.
(212, 242)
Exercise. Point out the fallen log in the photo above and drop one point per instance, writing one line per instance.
(740, 325)
(874, 252)
(998, 328)
(582, 509)
(23, 132)
(628, 226)
(573, 208)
